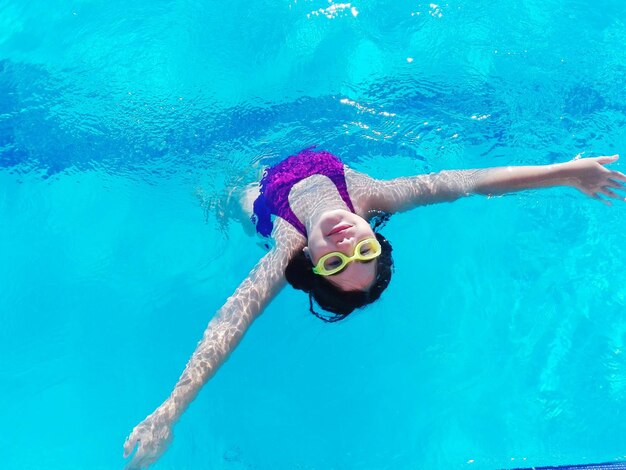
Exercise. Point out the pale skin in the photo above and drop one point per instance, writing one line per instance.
(332, 227)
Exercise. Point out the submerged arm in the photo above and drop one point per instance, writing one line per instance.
(226, 329)
(220, 338)
(588, 175)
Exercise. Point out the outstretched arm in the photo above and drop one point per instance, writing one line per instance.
(220, 338)
(588, 175)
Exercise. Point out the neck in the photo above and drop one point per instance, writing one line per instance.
(317, 212)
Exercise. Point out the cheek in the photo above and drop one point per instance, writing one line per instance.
(363, 225)
(366, 231)
(316, 248)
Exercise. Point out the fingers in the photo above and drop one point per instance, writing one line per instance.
(616, 175)
(139, 459)
(616, 185)
(606, 202)
(609, 193)
(596, 196)
(608, 159)
(132, 464)
(135, 464)
(142, 459)
(131, 442)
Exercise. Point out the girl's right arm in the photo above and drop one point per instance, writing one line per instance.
(220, 338)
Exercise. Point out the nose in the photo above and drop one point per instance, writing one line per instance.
(346, 244)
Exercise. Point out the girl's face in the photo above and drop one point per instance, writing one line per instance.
(341, 230)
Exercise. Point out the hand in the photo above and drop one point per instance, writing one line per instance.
(590, 176)
(151, 436)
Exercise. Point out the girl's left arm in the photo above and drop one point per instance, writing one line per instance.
(588, 175)
(221, 337)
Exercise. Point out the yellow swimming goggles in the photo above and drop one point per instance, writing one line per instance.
(333, 262)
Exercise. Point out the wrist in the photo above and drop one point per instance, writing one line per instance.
(566, 173)
(556, 174)
(167, 411)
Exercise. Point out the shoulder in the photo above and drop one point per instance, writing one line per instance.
(361, 188)
(288, 239)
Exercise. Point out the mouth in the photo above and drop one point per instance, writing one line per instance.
(339, 228)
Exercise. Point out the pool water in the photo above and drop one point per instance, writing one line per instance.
(501, 341)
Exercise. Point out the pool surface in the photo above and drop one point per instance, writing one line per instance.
(124, 126)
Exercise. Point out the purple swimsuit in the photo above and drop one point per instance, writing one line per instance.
(278, 180)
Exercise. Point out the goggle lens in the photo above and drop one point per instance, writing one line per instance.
(333, 262)
(367, 249)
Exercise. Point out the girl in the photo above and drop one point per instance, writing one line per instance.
(326, 247)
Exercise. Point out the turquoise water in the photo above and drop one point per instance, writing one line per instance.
(124, 125)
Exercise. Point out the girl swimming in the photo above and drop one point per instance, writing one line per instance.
(326, 247)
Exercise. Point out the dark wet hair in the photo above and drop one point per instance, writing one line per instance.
(338, 302)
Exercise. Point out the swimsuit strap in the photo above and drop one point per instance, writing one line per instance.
(340, 183)
(290, 217)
